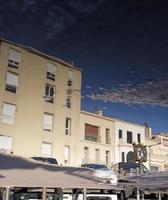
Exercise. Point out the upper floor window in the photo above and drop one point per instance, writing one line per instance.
(14, 58)
(97, 155)
(86, 155)
(70, 78)
(107, 139)
(68, 126)
(48, 122)
(5, 143)
(46, 149)
(129, 137)
(92, 133)
(119, 133)
(8, 113)
(51, 71)
(68, 102)
(139, 138)
(49, 93)
(11, 82)
(66, 155)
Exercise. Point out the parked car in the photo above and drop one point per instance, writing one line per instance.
(46, 160)
(102, 171)
(129, 168)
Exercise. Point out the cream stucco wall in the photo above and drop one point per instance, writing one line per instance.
(27, 131)
(121, 145)
(157, 147)
(103, 123)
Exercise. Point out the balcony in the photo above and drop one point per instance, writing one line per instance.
(93, 139)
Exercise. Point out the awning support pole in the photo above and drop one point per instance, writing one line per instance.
(44, 193)
(138, 194)
(7, 190)
(159, 196)
(84, 194)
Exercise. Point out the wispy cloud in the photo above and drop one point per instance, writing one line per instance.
(153, 93)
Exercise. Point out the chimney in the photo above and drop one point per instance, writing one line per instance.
(99, 112)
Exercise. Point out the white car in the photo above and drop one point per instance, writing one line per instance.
(102, 171)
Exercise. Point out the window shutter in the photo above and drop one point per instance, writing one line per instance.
(14, 55)
(12, 79)
(8, 113)
(70, 75)
(46, 149)
(51, 68)
(66, 152)
(48, 122)
(5, 142)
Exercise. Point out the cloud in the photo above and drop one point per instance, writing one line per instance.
(152, 93)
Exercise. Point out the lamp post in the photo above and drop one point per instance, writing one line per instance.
(149, 146)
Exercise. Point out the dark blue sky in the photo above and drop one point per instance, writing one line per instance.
(121, 45)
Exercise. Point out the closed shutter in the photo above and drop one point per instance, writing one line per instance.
(14, 55)
(5, 143)
(8, 113)
(48, 122)
(46, 149)
(12, 79)
(70, 75)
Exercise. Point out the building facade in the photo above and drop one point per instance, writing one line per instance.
(127, 134)
(96, 139)
(157, 146)
(39, 103)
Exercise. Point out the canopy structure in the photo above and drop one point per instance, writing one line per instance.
(23, 172)
(153, 182)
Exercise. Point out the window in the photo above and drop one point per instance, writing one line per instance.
(5, 143)
(14, 58)
(120, 133)
(107, 158)
(97, 155)
(48, 122)
(139, 138)
(49, 93)
(86, 155)
(91, 133)
(68, 126)
(123, 156)
(129, 137)
(8, 113)
(70, 77)
(66, 155)
(108, 136)
(46, 149)
(51, 71)
(11, 82)
(68, 102)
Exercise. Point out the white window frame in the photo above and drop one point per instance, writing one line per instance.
(11, 81)
(68, 126)
(70, 78)
(49, 97)
(5, 143)
(86, 155)
(48, 120)
(69, 102)
(8, 113)
(51, 71)
(66, 155)
(46, 149)
(14, 58)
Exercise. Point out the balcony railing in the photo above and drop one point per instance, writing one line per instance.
(93, 139)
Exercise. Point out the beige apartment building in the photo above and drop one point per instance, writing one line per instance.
(96, 139)
(40, 115)
(39, 104)
(157, 146)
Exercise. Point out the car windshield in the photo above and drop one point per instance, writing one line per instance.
(96, 166)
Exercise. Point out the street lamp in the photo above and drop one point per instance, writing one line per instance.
(149, 146)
